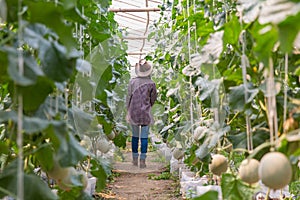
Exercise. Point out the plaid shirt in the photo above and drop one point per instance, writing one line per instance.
(141, 96)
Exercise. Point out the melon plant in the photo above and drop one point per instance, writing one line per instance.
(248, 171)
(275, 170)
(218, 164)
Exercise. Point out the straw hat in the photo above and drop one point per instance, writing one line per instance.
(143, 70)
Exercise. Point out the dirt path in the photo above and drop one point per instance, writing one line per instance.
(133, 183)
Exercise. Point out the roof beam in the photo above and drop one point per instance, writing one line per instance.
(146, 9)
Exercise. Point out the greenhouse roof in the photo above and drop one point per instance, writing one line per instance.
(133, 17)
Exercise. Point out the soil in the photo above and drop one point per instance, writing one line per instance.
(133, 183)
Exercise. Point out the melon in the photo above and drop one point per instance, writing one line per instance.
(66, 182)
(218, 164)
(57, 172)
(74, 178)
(103, 145)
(86, 143)
(248, 171)
(275, 170)
(199, 132)
(111, 136)
(178, 153)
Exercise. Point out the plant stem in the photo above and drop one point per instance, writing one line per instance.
(268, 193)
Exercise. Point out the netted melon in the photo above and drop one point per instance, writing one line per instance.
(248, 171)
(275, 170)
(178, 153)
(199, 132)
(58, 172)
(218, 164)
(73, 178)
(103, 145)
(111, 136)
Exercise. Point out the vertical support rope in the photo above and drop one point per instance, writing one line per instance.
(244, 64)
(190, 79)
(285, 86)
(20, 172)
(197, 107)
(271, 101)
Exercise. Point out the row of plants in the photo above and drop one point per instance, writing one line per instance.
(60, 62)
(228, 79)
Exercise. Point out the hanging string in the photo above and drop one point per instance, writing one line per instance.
(244, 64)
(20, 172)
(198, 107)
(285, 86)
(271, 104)
(190, 78)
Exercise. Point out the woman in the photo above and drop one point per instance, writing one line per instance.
(141, 96)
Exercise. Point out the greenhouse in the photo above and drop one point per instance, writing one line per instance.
(153, 99)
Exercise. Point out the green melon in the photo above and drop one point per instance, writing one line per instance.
(218, 164)
(248, 171)
(275, 170)
(103, 146)
(178, 153)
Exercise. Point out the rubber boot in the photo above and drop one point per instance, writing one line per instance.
(142, 163)
(135, 161)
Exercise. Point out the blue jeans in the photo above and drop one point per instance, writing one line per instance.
(135, 141)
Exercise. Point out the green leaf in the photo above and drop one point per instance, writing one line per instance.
(87, 88)
(232, 31)
(4, 148)
(234, 189)
(265, 39)
(34, 35)
(34, 187)
(240, 140)
(100, 29)
(52, 16)
(82, 120)
(297, 71)
(99, 170)
(237, 96)
(120, 140)
(35, 95)
(12, 8)
(30, 124)
(31, 69)
(55, 63)
(288, 30)
(34, 124)
(3, 67)
(103, 84)
(44, 156)
(66, 146)
(75, 152)
(209, 89)
(210, 195)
